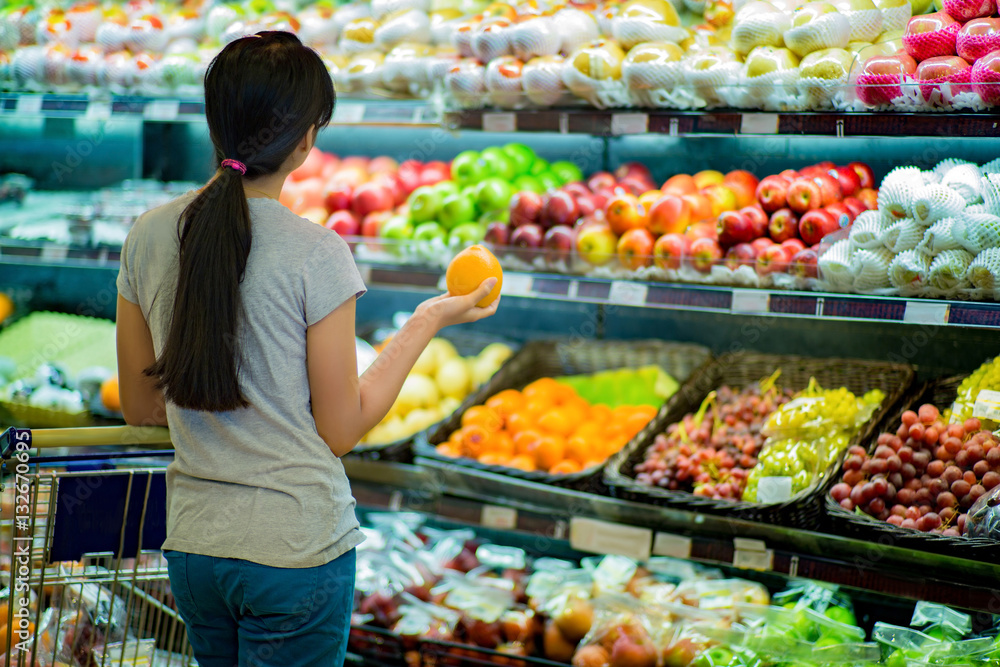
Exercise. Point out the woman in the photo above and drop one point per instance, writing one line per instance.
(236, 329)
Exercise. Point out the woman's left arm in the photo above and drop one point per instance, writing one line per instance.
(142, 403)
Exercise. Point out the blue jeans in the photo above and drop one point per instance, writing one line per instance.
(242, 614)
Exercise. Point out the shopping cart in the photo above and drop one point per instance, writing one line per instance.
(84, 581)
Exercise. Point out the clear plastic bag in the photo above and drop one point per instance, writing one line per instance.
(624, 629)
(940, 622)
(984, 516)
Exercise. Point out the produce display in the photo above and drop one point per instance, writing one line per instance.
(758, 444)
(846, 54)
(549, 427)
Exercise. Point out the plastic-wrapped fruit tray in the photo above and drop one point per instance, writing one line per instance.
(803, 510)
(553, 359)
(860, 525)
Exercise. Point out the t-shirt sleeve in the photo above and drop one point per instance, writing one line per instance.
(126, 275)
(331, 278)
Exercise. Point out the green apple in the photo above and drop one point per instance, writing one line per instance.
(446, 188)
(827, 64)
(493, 194)
(521, 155)
(424, 203)
(429, 231)
(503, 215)
(766, 59)
(538, 166)
(714, 657)
(498, 164)
(526, 182)
(566, 171)
(466, 234)
(455, 210)
(841, 615)
(396, 227)
(549, 181)
(468, 168)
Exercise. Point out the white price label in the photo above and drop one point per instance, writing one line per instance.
(926, 312)
(759, 123)
(750, 301)
(502, 518)
(516, 284)
(629, 123)
(987, 405)
(348, 114)
(748, 544)
(98, 111)
(499, 122)
(762, 561)
(55, 253)
(29, 104)
(626, 293)
(674, 546)
(774, 489)
(163, 110)
(606, 538)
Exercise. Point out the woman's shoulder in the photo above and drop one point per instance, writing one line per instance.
(295, 230)
(162, 220)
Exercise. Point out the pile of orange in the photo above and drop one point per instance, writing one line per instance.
(547, 427)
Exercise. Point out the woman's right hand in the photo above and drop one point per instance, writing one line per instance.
(447, 309)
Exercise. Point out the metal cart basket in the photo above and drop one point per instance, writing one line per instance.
(84, 583)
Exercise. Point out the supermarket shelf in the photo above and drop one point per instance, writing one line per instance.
(552, 517)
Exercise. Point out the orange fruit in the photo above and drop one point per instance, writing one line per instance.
(580, 448)
(525, 441)
(635, 423)
(506, 402)
(449, 450)
(522, 463)
(559, 421)
(599, 413)
(109, 394)
(494, 459)
(480, 415)
(520, 421)
(564, 392)
(502, 444)
(565, 467)
(469, 269)
(544, 389)
(549, 450)
(6, 310)
(475, 440)
(591, 463)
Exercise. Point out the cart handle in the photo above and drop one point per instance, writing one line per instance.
(157, 437)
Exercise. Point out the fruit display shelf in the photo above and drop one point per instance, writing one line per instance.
(550, 517)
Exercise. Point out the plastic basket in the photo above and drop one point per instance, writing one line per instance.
(859, 525)
(803, 510)
(558, 358)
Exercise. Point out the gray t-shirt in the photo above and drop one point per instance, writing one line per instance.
(258, 483)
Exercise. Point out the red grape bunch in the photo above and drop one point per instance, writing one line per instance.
(925, 476)
(718, 452)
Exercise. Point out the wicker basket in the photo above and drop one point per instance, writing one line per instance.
(558, 358)
(468, 343)
(803, 510)
(940, 393)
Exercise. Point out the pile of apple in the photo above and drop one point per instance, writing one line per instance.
(952, 57)
(926, 475)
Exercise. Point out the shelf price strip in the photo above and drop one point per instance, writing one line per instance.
(602, 537)
(752, 555)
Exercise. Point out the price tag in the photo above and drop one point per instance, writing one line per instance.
(674, 546)
(774, 489)
(762, 561)
(750, 301)
(626, 293)
(162, 110)
(516, 284)
(606, 538)
(348, 114)
(987, 405)
(502, 518)
(395, 501)
(759, 123)
(98, 111)
(499, 122)
(629, 123)
(29, 104)
(56, 253)
(747, 544)
(926, 312)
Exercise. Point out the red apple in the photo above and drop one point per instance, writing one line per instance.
(634, 170)
(497, 233)
(849, 181)
(701, 230)
(704, 254)
(816, 224)
(434, 172)
(734, 227)
(559, 242)
(789, 175)
(601, 180)
(772, 193)
(829, 187)
(741, 254)
(742, 176)
(869, 197)
(344, 223)
(930, 35)
(761, 244)
(804, 195)
(865, 174)
(371, 197)
(635, 249)
(950, 70)
(977, 38)
(636, 185)
(784, 225)
(986, 78)
(337, 197)
(701, 207)
(745, 193)
(680, 184)
(840, 213)
(758, 219)
(577, 189)
(390, 181)
(372, 223)
(805, 264)
(560, 209)
(669, 251)
(526, 240)
(792, 246)
(526, 208)
(311, 167)
(409, 175)
(773, 260)
(587, 204)
(382, 164)
(811, 171)
(669, 214)
(855, 206)
(880, 78)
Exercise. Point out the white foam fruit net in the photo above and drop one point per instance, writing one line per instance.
(947, 164)
(866, 24)
(902, 235)
(977, 231)
(897, 192)
(938, 238)
(827, 32)
(965, 180)
(760, 29)
(895, 18)
(866, 232)
(984, 270)
(948, 269)
(991, 167)
(871, 269)
(936, 201)
(908, 270)
(835, 265)
(989, 188)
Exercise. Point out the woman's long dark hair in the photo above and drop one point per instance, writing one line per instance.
(262, 95)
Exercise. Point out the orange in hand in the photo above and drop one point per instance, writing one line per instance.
(109, 394)
(469, 269)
